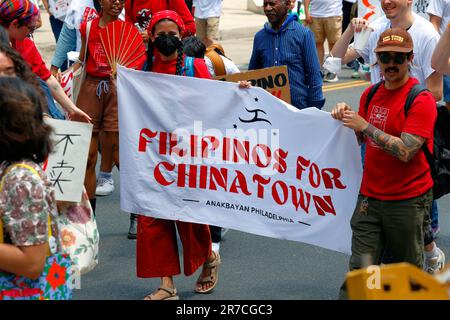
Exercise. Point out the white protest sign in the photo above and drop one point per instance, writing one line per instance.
(208, 152)
(66, 166)
(371, 9)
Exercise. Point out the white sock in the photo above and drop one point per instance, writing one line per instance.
(433, 253)
(216, 246)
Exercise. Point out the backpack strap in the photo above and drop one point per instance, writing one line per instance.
(188, 68)
(88, 31)
(412, 95)
(218, 64)
(371, 93)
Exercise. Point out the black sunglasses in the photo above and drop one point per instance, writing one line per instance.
(397, 58)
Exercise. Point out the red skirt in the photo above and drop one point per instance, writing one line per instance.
(157, 250)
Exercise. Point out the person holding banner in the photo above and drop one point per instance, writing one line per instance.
(399, 14)
(284, 41)
(397, 188)
(156, 249)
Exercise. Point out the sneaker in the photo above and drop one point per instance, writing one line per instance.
(436, 263)
(331, 77)
(436, 230)
(355, 75)
(104, 187)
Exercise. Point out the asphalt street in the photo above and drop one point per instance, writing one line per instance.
(253, 267)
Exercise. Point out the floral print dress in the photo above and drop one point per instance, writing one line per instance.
(26, 200)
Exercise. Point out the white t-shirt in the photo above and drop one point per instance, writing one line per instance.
(325, 8)
(424, 37)
(207, 8)
(230, 67)
(440, 8)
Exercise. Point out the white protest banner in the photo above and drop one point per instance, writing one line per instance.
(371, 9)
(66, 166)
(208, 152)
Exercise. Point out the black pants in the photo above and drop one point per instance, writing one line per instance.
(216, 234)
(346, 14)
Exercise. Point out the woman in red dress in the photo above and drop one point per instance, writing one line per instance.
(157, 251)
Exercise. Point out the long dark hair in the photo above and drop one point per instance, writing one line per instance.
(23, 133)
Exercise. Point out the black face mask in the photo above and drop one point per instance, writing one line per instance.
(167, 45)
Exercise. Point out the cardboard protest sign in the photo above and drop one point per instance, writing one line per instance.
(66, 166)
(274, 80)
(236, 158)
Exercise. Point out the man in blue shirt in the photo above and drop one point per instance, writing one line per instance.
(284, 41)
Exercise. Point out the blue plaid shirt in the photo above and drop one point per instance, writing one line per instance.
(294, 46)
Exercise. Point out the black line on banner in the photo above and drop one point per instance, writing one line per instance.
(191, 200)
(305, 223)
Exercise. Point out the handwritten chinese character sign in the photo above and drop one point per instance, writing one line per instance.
(66, 166)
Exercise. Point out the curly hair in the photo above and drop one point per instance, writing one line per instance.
(24, 72)
(23, 133)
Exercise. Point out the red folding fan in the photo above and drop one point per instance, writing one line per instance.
(123, 45)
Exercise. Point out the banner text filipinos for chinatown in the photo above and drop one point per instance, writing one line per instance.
(206, 151)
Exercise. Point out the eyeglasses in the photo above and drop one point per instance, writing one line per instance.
(397, 58)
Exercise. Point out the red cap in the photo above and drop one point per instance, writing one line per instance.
(167, 14)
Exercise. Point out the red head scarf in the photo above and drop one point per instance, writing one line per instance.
(167, 14)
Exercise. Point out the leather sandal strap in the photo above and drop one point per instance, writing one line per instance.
(206, 279)
(216, 262)
(172, 292)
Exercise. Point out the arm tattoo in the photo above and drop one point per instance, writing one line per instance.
(403, 148)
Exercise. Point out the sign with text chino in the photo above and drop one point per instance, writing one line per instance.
(371, 9)
(275, 80)
(209, 152)
(66, 166)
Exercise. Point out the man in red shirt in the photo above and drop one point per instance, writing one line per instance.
(396, 190)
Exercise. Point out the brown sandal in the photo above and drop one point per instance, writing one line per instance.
(172, 294)
(213, 277)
